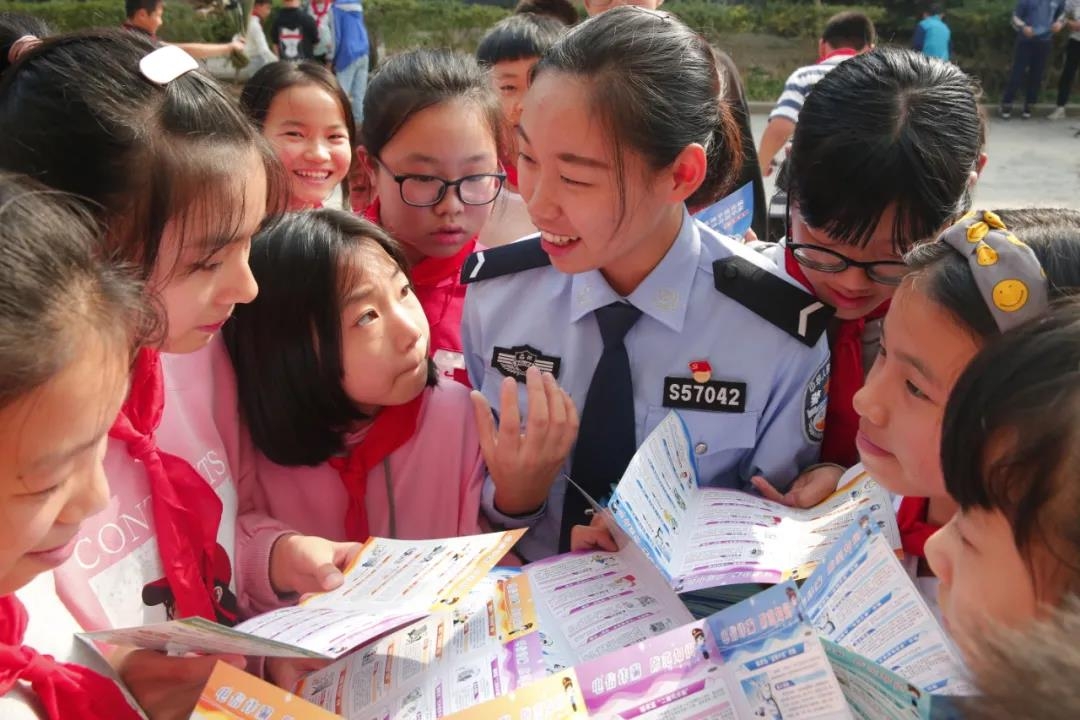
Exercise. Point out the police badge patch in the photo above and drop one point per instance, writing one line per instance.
(514, 361)
(815, 403)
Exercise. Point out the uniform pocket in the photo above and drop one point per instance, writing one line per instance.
(719, 441)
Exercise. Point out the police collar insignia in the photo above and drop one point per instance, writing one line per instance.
(514, 361)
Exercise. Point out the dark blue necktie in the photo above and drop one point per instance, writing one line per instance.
(606, 440)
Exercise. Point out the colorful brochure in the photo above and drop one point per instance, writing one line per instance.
(862, 599)
(757, 659)
(486, 647)
(389, 584)
(704, 537)
(875, 693)
(232, 694)
(591, 603)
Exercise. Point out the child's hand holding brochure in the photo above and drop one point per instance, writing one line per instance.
(389, 584)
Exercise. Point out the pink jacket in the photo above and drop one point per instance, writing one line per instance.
(104, 584)
(432, 491)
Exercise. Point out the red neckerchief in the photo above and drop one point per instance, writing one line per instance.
(391, 429)
(914, 530)
(186, 510)
(430, 271)
(846, 376)
(320, 14)
(65, 690)
(842, 52)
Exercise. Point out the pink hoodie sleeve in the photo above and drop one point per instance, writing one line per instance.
(256, 533)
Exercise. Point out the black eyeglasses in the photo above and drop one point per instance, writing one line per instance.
(822, 259)
(886, 272)
(428, 190)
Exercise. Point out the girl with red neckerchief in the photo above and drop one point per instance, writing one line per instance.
(432, 139)
(68, 325)
(357, 436)
(860, 196)
(179, 180)
(985, 275)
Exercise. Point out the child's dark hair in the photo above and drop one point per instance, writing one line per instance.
(934, 8)
(562, 10)
(413, 81)
(286, 344)
(56, 289)
(1010, 438)
(945, 276)
(890, 128)
(279, 76)
(851, 30)
(78, 115)
(518, 37)
(16, 25)
(657, 87)
(133, 6)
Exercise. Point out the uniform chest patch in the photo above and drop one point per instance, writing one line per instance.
(514, 361)
(701, 392)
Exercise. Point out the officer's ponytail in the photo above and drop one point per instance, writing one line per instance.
(657, 86)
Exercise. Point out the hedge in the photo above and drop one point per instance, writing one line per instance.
(982, 36)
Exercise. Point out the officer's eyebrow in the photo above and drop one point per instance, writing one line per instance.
(572, 158)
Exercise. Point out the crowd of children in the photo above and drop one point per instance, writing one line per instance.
(239, 339)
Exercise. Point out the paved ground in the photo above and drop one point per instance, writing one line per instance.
(1032, 163)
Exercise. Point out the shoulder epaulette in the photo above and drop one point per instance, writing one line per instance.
(792, 309)
(525, 254)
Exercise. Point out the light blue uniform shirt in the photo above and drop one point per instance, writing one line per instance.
(684, 319)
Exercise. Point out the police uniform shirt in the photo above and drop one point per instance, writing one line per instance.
(762, 406)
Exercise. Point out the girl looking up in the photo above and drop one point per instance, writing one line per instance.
(339, 391)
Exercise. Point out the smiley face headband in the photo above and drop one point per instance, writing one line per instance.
(1007, 272)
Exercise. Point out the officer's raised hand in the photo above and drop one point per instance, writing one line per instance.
(524, 464)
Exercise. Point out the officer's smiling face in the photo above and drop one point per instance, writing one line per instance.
(901, 406)
(567, 176)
